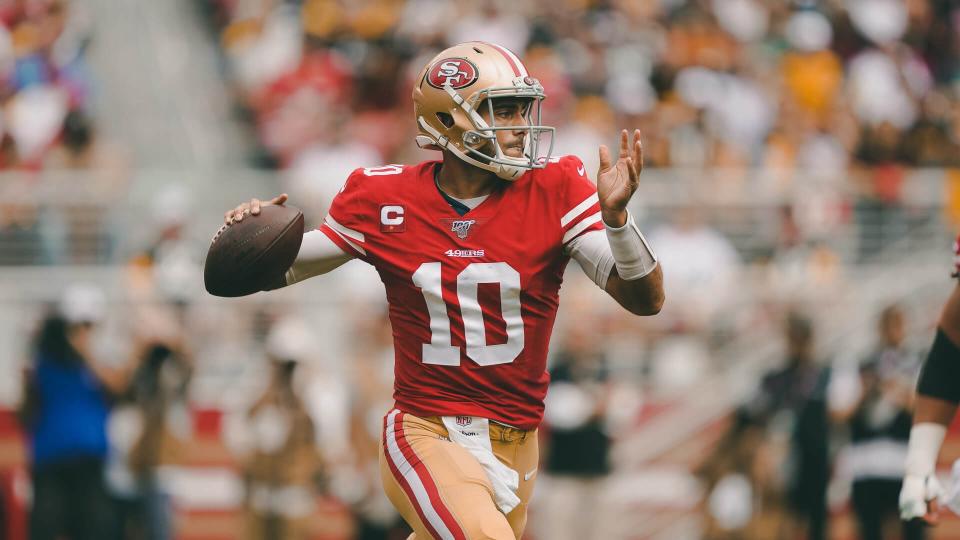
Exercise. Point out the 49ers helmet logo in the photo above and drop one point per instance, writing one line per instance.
(457, 72)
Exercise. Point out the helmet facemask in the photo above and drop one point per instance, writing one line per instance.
(481, 144)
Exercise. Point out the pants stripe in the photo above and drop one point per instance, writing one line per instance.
(413, 477)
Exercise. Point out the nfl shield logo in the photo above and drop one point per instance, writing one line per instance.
(462, 227)
(464, 421)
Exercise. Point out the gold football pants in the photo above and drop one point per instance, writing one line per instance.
(441, 490)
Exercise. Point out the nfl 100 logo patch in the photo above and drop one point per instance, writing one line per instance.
(461, 227)
(464, 421)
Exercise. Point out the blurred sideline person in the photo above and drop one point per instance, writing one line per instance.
(67, 400)
(938, 393)
(160, 439)
(792, 404)
(371, 386)
(744, 499)
(879, 427)
(282, 469)
(471, 250)
(577, 446)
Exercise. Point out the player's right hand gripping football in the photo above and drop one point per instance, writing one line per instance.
(920, 498)
(253, 208)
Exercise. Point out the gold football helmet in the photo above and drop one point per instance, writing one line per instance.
(449, 93)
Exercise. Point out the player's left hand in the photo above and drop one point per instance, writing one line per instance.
(616, 182)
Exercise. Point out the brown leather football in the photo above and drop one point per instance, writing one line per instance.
(248, 256)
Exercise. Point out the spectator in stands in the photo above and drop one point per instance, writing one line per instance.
(792, 404)
(67, 397)
(282, 470)
(879, 420)
(82, 147)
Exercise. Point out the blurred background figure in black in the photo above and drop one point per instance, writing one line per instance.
(67, 399)
(878, 420)
(576, 449)
(792, 404)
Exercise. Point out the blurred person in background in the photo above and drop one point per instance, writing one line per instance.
(576, 447)
(792, 405)
(704, 265)
(168, 264)
(282, 469)
(82, 148)
(372, 393)
(743, 489)
(160, 437)
(67, 398)
(878, 421)
(938, 393)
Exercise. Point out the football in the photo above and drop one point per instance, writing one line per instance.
(246, 256)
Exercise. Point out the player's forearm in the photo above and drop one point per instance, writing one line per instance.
(636, 280)
(642, 296)
(937, 396)
(318, 255)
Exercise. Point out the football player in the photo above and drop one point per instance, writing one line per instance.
(471, 250)
(938, 393)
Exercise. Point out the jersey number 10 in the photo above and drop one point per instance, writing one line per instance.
(440, 351)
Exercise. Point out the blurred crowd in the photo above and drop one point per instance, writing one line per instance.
(46, 88)
(824, 86)
(47, 111)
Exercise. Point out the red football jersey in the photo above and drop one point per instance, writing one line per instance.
(472, 298)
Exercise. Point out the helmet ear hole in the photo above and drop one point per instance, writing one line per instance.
(445, 119)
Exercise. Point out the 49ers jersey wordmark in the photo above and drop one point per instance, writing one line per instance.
(472, 298)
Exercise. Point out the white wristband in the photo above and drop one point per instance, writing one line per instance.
(632, 254)
(924, 447)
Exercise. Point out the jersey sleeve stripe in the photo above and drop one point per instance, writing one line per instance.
(580, 227)
(579, 209)
(342, 241)
(344, 231)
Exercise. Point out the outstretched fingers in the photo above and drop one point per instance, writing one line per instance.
(604, 158)
(635, 161)
(637, 150)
